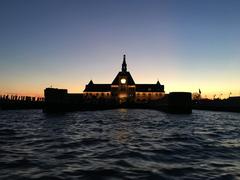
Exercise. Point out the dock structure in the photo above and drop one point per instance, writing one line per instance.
(180, 102)
(59, 100)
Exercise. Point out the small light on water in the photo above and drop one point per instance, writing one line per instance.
(123, 110)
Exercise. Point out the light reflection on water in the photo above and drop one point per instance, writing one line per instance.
(119, 144)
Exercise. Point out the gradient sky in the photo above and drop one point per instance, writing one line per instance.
(186, 44)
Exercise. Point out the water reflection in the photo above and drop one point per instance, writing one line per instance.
(119, 144)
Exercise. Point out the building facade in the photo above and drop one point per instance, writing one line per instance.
(123, 88)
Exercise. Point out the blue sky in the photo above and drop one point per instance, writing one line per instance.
(187, 44)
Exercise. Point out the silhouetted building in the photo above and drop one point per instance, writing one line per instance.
(123, 92)
(123, 88)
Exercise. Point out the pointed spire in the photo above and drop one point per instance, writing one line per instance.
(124, 64)
(158, 83)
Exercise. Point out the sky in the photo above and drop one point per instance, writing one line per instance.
(185, 44)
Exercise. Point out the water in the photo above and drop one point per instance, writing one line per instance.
(119, 144)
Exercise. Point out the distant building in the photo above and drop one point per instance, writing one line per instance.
(123, 88)
(123, 92)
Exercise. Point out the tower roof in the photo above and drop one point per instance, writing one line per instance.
(97, 88)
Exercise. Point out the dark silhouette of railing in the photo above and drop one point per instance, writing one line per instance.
(20, 102)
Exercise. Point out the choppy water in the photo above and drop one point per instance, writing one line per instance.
(119, 144)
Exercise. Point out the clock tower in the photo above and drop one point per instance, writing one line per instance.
(123, 86)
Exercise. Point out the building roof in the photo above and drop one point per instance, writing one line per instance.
(130, 80)
(97, 87)
(55, 91)
(149, 88)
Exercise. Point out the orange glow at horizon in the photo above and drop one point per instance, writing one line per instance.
(173, 76)
(206, 92)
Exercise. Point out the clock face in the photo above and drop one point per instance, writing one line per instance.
(123, 81)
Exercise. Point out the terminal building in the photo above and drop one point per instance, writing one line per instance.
(122, 92)
(123, 88)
